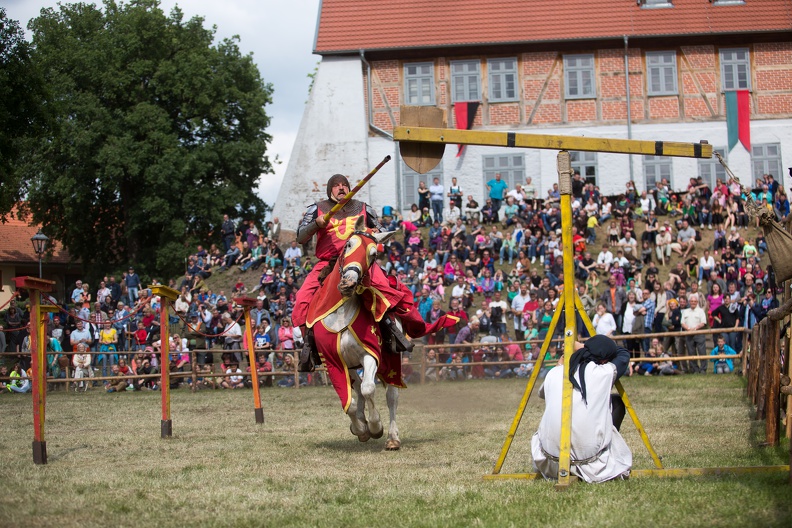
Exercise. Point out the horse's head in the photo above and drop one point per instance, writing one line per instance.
(358, 255)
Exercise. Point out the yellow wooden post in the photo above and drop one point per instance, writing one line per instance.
(45, 309)
(527, 394)
(630, 409)
(167, 296)
(570, 329)
(248, 303)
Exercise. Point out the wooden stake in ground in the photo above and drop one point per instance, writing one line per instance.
(167, 296)
(248, 303)
(35, 288)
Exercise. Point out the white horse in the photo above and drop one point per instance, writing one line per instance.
(348, 338)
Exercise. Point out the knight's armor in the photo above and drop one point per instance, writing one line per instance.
(330, 240)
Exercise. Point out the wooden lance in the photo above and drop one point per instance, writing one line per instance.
(351, 194)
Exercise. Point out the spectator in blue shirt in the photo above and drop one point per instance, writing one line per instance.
(497, 189)
(722, 366)
(425, 303)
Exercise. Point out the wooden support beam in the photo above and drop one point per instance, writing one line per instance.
(666, 472)
(164, 292)
(773, 394)
(551, 142)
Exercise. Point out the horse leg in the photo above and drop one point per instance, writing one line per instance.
(367, 390)
(392, 396)
(356, 411)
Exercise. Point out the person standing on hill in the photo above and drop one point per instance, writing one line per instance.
(497, 190)
(133, 283)
(227, 232)
(436, 196)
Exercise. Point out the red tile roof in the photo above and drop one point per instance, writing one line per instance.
(351, 25)
(16, 247)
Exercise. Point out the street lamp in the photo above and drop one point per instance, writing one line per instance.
(39, 246)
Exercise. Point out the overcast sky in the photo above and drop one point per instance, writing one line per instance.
(280, 35)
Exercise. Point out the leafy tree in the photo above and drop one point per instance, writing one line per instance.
(21, 115)
(158, 133)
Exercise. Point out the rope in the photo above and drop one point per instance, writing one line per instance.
(191, 327)
(131, 314)
(751, 207)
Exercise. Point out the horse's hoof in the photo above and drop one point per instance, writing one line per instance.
(377, 436)
(392, 445)
(363, 437)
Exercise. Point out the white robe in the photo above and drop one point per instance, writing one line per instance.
(599, 452)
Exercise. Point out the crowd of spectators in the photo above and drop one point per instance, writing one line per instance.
(499, 267)
(113, 329)
(496, 266)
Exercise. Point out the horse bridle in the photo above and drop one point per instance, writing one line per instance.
(362, 234)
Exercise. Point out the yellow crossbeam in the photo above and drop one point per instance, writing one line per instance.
(527, 394)
(553, 142)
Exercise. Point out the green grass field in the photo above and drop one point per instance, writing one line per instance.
(108, 466)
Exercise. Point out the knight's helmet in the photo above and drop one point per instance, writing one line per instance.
(334, 180)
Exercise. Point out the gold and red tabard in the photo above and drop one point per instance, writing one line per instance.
(367, 334)
(330, 240)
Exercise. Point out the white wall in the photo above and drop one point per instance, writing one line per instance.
(332, 139)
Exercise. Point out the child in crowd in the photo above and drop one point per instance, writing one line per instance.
(234, 378)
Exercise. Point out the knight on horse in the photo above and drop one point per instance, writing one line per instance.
(330, 239)
(344, 314)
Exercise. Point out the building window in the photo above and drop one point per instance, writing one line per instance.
(411, 179)
(766, 160)
(710, 170)
(466, 80)
(661, 72)
(586, 164)
(652, 4)
(502, 80)
(655, 169)
(419, 83)
(735, 69)
(727, 2)
(511, 167)
(579, 76)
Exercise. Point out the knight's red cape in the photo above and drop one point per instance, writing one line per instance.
(365, 329)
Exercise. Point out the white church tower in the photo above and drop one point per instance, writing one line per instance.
(333, 138)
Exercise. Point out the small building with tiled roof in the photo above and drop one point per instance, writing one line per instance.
(17, 258)
(547, 67)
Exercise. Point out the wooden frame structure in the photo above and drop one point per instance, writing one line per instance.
(422, 149)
